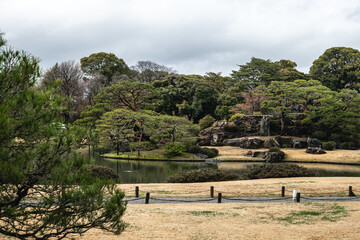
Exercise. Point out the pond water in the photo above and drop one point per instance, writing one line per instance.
(132, 171)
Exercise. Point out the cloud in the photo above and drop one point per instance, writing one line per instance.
(194, 36)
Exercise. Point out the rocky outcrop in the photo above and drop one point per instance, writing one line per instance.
(268, 156)
(315, 150)
(271, 142)
(251, 143)
(240, 127)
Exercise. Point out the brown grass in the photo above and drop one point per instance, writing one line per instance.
(314, 186)
(237, 221)
(345, 156)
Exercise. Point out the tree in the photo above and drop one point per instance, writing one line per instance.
(338, 68)
(121, 127)
(71, 86)
(257, 72)
(149, 71)
(45, 191)
(105, 64)
(262, 72)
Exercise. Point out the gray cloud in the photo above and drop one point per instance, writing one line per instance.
(192, 36)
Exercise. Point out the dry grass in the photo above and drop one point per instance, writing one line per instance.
(239, 221)
(345, 156)
(308, 186)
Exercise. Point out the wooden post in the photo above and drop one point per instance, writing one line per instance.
(147, 198)
(137, 191)
(219, 197)
(298, 197)
(212, 191)
(283, 191)
(351, 193)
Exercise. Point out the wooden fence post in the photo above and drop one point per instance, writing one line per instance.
(283, 191)
(137, 191)
(212, 191)
(147, 198)
(298, 197)
(219, 197)
(351, 193)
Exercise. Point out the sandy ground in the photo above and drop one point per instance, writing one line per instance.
(346, 156)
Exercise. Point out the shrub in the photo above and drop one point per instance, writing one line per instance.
(319, 134)
(329, 145)
(174, 149)
(194, 149)
(202, 175)
(232, 118)
(104, 173)
(276, 170)
(347, 145)
(206, 122)
(278, 150)
(210, 152)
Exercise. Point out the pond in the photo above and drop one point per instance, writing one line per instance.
(132, 171)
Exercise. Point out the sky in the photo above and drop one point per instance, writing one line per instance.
(191, 36)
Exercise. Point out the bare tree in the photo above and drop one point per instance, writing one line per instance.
(72, 86)
(149, 71)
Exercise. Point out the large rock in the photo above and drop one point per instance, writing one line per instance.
(232, 142)
(315, 150)
(300, 144)
(271, 142)
(313, 142)
(251, 143)
(259, 154)
(284, 141)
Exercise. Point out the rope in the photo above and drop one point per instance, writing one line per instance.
(185, 201)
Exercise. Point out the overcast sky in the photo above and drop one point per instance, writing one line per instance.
(192, 36)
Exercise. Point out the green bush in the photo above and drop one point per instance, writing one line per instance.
(235, 116)
(206, 122)
(210, 152)
(276, 170)
(319, 134)
(329, 145)
(278, 150)
(347, 145)
(104, 173)
(194, 149)
(202, 175)
(174, 149)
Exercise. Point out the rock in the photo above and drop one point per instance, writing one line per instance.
(251, 143)
(271, 142)
(300, 144)
(232, 142)
(284, 141)
(202, 156)
(260, 154)
(315, 150)
(273, 157)
(313, 142)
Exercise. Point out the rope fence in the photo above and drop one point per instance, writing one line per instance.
(232, 197)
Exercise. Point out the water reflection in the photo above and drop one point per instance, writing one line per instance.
(132, 171)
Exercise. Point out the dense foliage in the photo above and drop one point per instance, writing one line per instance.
(202, 175)
(45, 191)
(275, 170)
